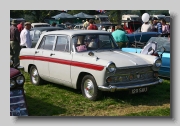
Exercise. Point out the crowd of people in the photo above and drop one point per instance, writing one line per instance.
(156, 26)
(20, 34)
(19, 38)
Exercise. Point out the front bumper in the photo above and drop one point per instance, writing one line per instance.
(113, 88)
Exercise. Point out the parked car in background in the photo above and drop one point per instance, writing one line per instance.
(36, 32)
(106, 26)
(89, 60)
(131, 26)
(34, 25)
(78, 27)
(161, 42)
(18, 106)
(168, 20)
(61, 25)
(142, 37)
(18, 20)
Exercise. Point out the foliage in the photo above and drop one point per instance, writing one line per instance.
(16, 13)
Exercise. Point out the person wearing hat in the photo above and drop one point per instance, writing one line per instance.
(119, 36)
(26, 41)
(14, 42)
(156, 25)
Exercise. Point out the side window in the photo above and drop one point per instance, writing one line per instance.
(62, 44)
(47, 43)
(36, 35)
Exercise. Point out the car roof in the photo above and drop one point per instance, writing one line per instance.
(47, 28)
(73, 32)
(39, 23)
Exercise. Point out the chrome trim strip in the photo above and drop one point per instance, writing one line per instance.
(119, 87)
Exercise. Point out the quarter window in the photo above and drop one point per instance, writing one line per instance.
(47, 43)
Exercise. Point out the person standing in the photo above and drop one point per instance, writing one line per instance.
(92, 26)
(165, 28)
(85, 25)
(20, 26)
(156, 26)
(146, 27)
(120, 37)
(26, 41)
(14, 43)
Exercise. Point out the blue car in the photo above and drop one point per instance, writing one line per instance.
(161, 42)
(142, 37)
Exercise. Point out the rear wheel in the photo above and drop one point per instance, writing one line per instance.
(89, 88)
(34, 76)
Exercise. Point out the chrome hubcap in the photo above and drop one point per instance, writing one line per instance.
(35, 76)
(88, 88)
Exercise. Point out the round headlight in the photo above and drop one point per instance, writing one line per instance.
(158, 63)
(12, 83)
(111, 68)
(20, 80)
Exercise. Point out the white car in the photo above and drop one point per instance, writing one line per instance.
(89, 60)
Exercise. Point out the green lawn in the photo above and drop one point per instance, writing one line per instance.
(56, 100)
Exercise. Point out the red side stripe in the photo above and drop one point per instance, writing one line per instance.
(66, 62)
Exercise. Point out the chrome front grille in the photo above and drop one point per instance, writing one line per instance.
(131, 75)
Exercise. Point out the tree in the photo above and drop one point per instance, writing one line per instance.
(142, 12)
(16, 13)
(115, 16)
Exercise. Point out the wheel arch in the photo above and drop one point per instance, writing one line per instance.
(80, 77)
(29, 67)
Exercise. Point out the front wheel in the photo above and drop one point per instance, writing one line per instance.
(89, 88)
(34, 76)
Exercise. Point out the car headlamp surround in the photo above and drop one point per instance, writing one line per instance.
(111, 67)
(20, 80)
(157, 62)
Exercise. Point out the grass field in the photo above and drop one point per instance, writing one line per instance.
(56, 100)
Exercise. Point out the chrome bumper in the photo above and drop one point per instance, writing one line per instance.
(122, 87)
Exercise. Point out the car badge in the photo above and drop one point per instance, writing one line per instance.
(131, 77)
(138, 75)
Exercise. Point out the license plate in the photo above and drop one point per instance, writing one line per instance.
(138, 90)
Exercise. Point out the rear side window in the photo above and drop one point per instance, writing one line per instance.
(62, 44)
(47, 43)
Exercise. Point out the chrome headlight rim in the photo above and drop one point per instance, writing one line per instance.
(20, 80)
(157, 62)
(12, 83)
(108, 67)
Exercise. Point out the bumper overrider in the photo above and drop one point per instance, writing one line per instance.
(118, 87)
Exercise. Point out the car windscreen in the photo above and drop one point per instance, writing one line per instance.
(93, 42)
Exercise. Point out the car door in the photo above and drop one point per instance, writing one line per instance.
(61, 60)
(42, 55)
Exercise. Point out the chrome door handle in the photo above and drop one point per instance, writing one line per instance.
(36, 52)
(52, 54)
